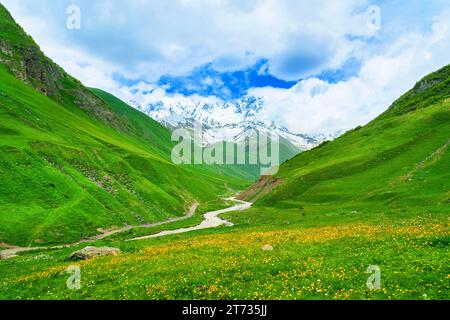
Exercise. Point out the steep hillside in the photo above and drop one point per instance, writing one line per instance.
(432, 89)
(399, 162)
(72, 162)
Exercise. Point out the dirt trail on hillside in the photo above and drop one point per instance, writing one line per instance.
(211, 220)
(13, 251)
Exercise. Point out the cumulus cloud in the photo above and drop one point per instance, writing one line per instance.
(146, 94)
(152, 38)
(315, 105)
(299, 39)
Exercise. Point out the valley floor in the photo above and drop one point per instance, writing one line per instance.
(210, 220)
(13, 251)
(255, 259)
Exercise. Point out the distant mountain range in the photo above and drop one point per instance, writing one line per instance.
(229, 121)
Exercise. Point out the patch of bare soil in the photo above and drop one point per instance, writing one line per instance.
(264, 185)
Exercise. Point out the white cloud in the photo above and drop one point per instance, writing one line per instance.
(147, 39)
(152, 38)
(314, 105)
(149, 94)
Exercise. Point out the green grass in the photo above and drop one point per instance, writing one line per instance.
(229, 263)
(391, 164)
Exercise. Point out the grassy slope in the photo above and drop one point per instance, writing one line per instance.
(253, 171)
(397, 163)
(144, 127)
(404, 165)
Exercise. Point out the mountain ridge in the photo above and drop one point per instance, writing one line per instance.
(228, 120)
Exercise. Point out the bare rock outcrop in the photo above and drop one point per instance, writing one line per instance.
(92, 252)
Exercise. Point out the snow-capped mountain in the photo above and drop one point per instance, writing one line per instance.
(230, 121)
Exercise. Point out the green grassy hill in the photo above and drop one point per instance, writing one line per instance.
(74, 160)
(399, 163)
(253, 171)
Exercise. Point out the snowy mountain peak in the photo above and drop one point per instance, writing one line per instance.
(228, 121)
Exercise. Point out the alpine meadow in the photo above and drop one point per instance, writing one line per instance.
(358, 207)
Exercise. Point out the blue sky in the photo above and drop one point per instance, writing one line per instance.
(320, 65)
(207, 81)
